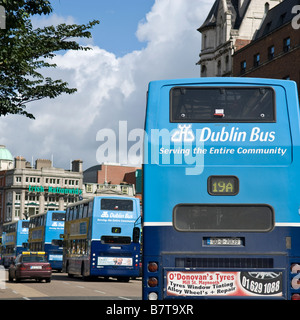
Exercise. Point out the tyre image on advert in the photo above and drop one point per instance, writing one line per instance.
(193, 283)
(264, 283)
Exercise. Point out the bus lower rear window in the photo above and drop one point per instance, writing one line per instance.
(118, 205)
(222, 104)
(247, 218)
(115, 240)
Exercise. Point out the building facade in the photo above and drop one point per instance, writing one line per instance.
(275, 51)
(230, 25)
(112, 177)
(27, 190)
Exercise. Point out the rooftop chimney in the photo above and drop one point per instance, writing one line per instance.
(77, 165)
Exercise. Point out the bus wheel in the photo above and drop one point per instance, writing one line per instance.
(84, 278)
(123, 279)
(70, 275)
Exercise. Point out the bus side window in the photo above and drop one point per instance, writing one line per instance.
(90, 213)
(85, 210)
(80, 211)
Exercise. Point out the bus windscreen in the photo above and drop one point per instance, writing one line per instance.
(222, 104)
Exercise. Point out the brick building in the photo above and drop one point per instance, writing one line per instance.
(275, 50)
(230, 25)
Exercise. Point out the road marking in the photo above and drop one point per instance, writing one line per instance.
(100, 291)
(80, 287)
(24, 290)
(124, 298)
(26, 298)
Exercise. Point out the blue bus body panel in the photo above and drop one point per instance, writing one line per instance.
(15, 239)
(53, 231)
(264, 157)
(22, 234)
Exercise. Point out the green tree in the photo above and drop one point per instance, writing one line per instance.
(24, 51)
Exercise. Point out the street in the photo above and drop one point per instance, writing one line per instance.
(62, 287)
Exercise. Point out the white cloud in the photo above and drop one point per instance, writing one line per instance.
(110, 89)
(54, 19)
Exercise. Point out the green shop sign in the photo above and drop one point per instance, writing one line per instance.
(57, 190)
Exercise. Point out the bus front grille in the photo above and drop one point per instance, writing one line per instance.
(224, 263)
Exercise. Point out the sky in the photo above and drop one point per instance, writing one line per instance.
(137, 41)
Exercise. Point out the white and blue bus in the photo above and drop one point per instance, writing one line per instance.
(46, 234)
(220, 203)
(14, 240)
(101, 238)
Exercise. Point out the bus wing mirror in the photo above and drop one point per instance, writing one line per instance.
(136, 235)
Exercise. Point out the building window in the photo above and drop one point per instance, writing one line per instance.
(256, 60)
(286, 44)
(17, 213)
(203, 71)
(204, 41)
(271, 52)
(227, 63)
(89, 188)
(18, 179)
(243, 66)
(219, 68)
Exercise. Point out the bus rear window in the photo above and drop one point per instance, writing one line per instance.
(196, 217)
(58, 216)
(25, 224)
(116, 204)
(227, 104)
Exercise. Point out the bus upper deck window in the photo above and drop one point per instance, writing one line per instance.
(227, 104)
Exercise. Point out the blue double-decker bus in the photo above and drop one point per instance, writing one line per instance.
(101, 238)
(46, 234)
(14, 240)
(220, 202)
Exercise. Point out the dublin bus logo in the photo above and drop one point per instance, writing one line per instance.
(183, 133)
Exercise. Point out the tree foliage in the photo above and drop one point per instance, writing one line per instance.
(24, 51)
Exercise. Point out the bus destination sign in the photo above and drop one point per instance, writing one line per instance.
(223, 185)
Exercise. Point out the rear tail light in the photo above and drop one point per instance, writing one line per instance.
(48, 267)
(296, 296)
(152, 296)
(152, 282)
(152, 266)
(22, 267)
